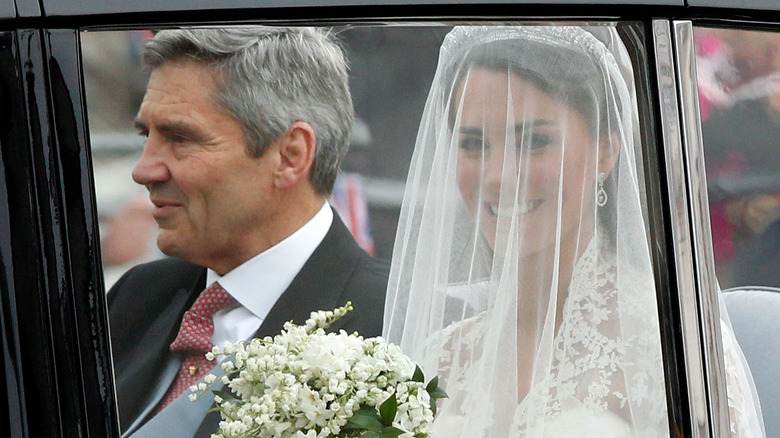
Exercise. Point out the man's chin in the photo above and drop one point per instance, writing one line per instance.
(167, 243)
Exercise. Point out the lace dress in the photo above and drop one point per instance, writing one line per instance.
(598, 364)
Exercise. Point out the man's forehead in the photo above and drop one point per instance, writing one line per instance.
(184, 77)
(179, 88)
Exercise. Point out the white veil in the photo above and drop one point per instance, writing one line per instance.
(521, 272)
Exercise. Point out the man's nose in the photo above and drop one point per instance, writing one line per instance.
(151, 168)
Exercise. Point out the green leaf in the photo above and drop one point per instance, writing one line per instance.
(432, 385)
(391, 432)
(367, 410)
(388, 409)
(372, 434)
(364, 419)
(418, 375)
(433, 389)
(438, 393)
(226, 396)
(421, 435)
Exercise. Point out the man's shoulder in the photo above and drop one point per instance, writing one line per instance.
(372, 271)
(166, 266)
(156, 278)
(366, 290)
(378, 267)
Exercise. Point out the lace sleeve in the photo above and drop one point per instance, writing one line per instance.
(744, 408)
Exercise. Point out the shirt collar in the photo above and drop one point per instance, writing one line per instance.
(260, 281)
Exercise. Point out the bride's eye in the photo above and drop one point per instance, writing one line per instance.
(472, 145)
(535, 142)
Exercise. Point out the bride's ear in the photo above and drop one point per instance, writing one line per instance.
(609, 151)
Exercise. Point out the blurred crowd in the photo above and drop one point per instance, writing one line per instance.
(739, 95)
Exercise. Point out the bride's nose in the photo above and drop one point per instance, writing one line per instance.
(500, 167)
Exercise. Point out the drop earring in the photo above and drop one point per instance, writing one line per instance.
(601, 194)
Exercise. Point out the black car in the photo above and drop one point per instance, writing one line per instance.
(708, 85)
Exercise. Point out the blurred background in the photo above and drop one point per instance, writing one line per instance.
(739, 94)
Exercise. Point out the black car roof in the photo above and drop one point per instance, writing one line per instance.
(107, 12)
(65, 8)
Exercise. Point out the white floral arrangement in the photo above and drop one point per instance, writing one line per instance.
(306, 383)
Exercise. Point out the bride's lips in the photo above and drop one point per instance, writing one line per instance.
(164, 208)
(524, 208)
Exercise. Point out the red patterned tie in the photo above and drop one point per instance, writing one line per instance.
(194, 340)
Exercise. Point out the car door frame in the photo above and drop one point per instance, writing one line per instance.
(57, 352)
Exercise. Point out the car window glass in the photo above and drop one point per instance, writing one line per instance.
(391, 72)
(739, 95)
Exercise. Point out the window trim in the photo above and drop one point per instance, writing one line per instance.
(692, 241)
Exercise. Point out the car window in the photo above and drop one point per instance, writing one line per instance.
(739, 93)
(391, 72)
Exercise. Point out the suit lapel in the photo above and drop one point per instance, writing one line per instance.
(320, 283)
(318, 286)
(144, 368)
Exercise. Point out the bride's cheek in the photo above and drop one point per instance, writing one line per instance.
(468, 184)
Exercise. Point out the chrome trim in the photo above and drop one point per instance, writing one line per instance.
(708, 289)
(680, 230)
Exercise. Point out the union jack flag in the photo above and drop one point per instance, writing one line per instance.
(349, 200)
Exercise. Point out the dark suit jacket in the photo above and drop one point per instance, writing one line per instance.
(146, 306)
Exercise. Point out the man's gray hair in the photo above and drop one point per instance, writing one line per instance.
(269, 77)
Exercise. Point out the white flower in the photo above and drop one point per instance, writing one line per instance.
(306, 383)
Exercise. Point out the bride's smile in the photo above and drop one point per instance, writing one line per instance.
(508, 211)
(524, 155)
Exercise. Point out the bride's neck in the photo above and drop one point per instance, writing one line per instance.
(536, 276)
(542, 273)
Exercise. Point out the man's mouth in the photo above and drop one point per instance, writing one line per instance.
(163, 207)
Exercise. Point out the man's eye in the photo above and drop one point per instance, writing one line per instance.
(178, 138)
(144, 134)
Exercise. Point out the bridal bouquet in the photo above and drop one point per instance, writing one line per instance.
(306, 383)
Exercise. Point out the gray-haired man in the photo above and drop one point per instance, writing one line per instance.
(245, 131)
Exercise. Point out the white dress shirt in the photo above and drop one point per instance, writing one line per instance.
(260, 281)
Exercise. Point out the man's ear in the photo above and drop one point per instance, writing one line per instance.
(296, 152)
(609, 151)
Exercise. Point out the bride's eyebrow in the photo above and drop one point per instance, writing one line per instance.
(533, 124)
(522, 126)
(519, 127)
(466, 130)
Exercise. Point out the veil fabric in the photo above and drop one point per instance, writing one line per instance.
(521, 272)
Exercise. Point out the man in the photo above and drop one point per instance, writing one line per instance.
(245, 131)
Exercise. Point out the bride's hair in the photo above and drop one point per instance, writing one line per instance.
(568, 75)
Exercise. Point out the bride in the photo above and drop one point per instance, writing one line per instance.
(521, 272)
